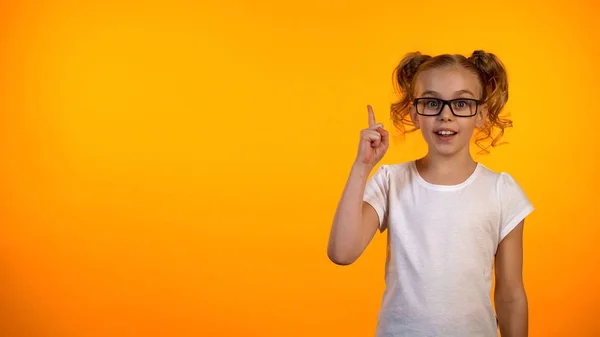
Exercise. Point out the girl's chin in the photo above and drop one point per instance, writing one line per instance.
(447, 149)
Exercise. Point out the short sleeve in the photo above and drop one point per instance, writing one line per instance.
(514, 204)
(376, 194)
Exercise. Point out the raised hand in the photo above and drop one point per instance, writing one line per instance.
(374, 142)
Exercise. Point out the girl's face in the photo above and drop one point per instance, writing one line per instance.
(448, 134)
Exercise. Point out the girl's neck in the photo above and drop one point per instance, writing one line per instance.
(446, 170)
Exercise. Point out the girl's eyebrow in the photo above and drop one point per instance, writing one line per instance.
(464, 91)
(435, 93)
(430, 92)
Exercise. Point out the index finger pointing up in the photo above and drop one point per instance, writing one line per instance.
(371, 116)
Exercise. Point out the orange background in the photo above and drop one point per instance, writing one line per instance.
(172, 168)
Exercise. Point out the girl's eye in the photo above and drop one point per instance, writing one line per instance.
(432, 103)
(460, 104)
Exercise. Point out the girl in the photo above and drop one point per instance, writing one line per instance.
(448, 217)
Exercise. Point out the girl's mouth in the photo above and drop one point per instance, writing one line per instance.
(445, 134)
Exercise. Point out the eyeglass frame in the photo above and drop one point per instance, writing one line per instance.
(448, 103)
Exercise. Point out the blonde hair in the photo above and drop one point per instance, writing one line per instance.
(492, 77)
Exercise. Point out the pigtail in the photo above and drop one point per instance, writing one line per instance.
(495, 95)
(403, 80)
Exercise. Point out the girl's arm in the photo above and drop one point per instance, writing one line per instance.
(355, 221)
(509, 295)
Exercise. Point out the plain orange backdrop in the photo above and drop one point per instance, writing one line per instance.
(171, 168)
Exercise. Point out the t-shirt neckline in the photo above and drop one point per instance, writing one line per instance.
(437, 187)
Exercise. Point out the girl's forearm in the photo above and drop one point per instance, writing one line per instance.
(513, 316)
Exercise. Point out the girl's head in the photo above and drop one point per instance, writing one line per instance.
(447, 97)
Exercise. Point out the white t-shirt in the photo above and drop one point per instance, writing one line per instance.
(441, 245)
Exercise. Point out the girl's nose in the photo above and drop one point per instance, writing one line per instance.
(446, 114)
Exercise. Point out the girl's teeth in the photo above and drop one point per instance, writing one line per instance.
(445, 133)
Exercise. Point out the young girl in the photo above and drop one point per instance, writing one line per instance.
(448, 217)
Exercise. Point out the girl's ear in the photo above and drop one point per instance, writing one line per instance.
(481, 116)
(413, 116)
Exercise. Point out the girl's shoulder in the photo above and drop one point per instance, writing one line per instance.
(396, 171)
(397, 168)
(505, 187)
(497, 177)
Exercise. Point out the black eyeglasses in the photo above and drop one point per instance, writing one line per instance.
(460, 107)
